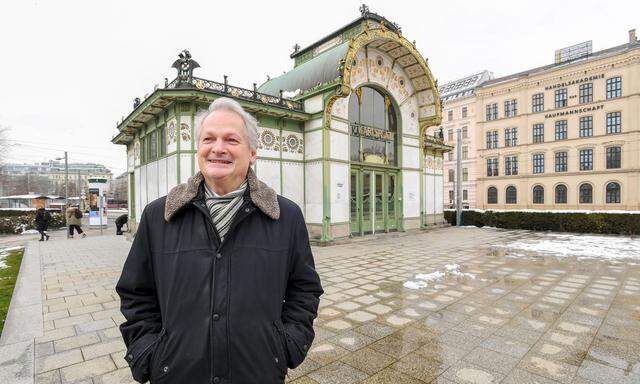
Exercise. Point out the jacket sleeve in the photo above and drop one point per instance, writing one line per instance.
(139, 304)
(302, 296)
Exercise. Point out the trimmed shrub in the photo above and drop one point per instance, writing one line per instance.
(579, 222)
(17, 221)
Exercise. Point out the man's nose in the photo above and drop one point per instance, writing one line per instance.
(219, 146)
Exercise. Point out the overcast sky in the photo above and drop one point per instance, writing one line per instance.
(71, 69)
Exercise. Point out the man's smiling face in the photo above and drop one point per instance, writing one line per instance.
(224, 154)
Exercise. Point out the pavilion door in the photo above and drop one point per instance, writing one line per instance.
(373, 201)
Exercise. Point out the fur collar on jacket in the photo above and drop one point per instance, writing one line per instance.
(261, 195)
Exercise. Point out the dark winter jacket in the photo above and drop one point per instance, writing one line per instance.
(203, 312)
(42, 219)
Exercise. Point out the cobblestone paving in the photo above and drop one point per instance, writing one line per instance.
(524, 319)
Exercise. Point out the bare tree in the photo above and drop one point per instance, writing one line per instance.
(5, 146)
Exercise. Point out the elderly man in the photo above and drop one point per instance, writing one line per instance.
(220, 284)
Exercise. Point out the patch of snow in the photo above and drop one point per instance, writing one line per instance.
(430, 276)
(423, 279)
(12, 248)
(29, 232)
(581, 246)
(414, 284)
(291, 94)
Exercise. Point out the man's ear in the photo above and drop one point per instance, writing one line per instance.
(253, 156)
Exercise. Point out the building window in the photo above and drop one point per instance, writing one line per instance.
(492, 139)
(451, 175)
(143, 152)
(537, 102)
(561, 98)
(510, 137)
(492, 195)
(585, 92)
(451, 196)
(492, 167)
(511, 165)
(450, 115)
(464, 112)
(586, 126)
(586, 194)
(492, 111)
(465, 152)
(163, 141)
(538, 163)
(538, 194)
(450, 155)
(561, 161)
(465, 174)
(369, 108)
(614, 87)
(465, 132)
(613, 193)
(561, 130)
(538, 133)
(465, 195)
(511, 195)
(450, 134)
(510, 108)
(614, 157)
(614, 122)
(561, 194)
(586, 159)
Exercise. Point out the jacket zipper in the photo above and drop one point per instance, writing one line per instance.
(144, 351)
(212, 227)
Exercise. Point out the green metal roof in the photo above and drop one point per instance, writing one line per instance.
(319, 70)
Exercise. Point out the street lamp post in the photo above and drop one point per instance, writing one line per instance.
(66, 181)
(459, 178)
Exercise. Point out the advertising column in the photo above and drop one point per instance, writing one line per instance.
(97, 202)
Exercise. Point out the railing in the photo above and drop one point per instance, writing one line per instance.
(240, 93)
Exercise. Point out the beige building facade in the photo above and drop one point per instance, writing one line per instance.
(565, 136)
(459, 112)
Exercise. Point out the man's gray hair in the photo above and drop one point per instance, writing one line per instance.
(227, 104)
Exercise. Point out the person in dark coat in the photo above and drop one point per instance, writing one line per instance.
(120, 222)
(42, 222)
(220, 285)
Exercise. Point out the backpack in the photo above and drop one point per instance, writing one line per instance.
(78, 214)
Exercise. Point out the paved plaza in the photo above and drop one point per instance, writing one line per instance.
(452, 305)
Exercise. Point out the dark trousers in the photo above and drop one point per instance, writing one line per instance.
(42, 234)
(77, 227)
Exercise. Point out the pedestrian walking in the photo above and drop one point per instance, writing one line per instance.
(121, 221)
(74, 214)
(220, 285)
(42, 223)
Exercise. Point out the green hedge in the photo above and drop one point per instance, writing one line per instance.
(608, 223)
(16, 221)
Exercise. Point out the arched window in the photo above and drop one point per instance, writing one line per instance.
(586, 194)
(561, 194)
(613, 193)
(512, 195)
(373, 127)
(538, 194)
(492, 195)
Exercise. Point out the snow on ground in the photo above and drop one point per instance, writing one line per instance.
(423, 280)
(4, 252)
(581, 246)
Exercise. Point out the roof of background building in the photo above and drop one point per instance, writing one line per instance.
(593, 56)
(463, 87)
(319, 70)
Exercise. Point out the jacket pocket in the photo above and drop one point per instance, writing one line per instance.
(157, 369)
(138, 356)
(280, 355)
